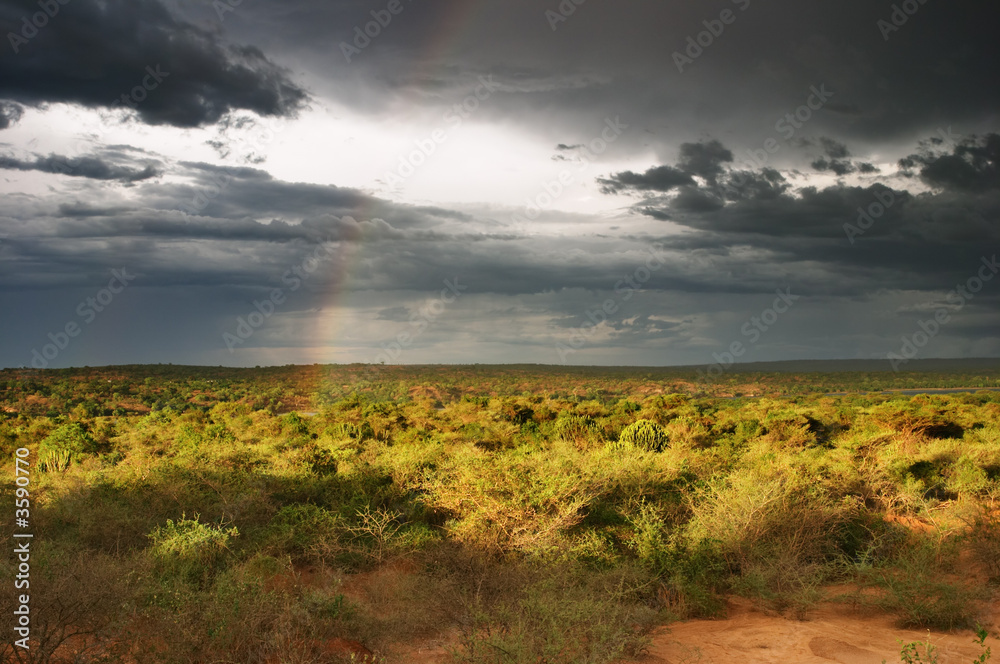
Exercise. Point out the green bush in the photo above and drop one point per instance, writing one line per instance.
(917, 589)
(573, 427)
(305, 531)
(189, 548)
(63, 446)
(645, 434)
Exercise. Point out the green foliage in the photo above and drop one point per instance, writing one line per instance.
(306, 532)
(911, 652)
(917, 589)
(68, 443)
(189, 548)
(323, 462)
(511, 411)
(644, 434)
(55, 460)
(987, 654)
(345, 430)
(573, 428)
(295, 424)
(771, 498)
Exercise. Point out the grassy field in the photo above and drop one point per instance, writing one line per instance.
(535, 514)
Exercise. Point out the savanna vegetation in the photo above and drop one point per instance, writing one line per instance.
(521, 514)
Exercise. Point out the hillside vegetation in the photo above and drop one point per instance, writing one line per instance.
(538, 515)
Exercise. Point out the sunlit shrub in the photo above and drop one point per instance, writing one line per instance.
(63, 446)
(189, 548)
(645, 434)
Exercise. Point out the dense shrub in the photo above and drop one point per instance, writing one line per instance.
(67, 444)
(505, 516)
(645, 434)
(189, 548)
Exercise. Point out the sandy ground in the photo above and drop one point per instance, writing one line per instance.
(831, 633)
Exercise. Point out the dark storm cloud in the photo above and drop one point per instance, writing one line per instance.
(837, 158)
(692, 199)
(660, 178)
(136, 54)
(900, 240)
(728, 233)
(834, 149)
(765, 184)
(617, 57)
(837, 166)
(972, 166)
(704, 159)
(94, 168)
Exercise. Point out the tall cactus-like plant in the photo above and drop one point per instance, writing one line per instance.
(645, 434)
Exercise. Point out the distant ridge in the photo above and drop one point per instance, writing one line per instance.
(938, 365)
(866, 366)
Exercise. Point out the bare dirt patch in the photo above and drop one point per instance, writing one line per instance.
(830, 633)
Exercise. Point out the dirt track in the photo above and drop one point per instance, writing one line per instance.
(832, 633)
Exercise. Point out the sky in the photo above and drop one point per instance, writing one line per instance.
(584, 182)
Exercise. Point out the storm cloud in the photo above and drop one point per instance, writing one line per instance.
(216, 149)
(91, 167)
(134, 54)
